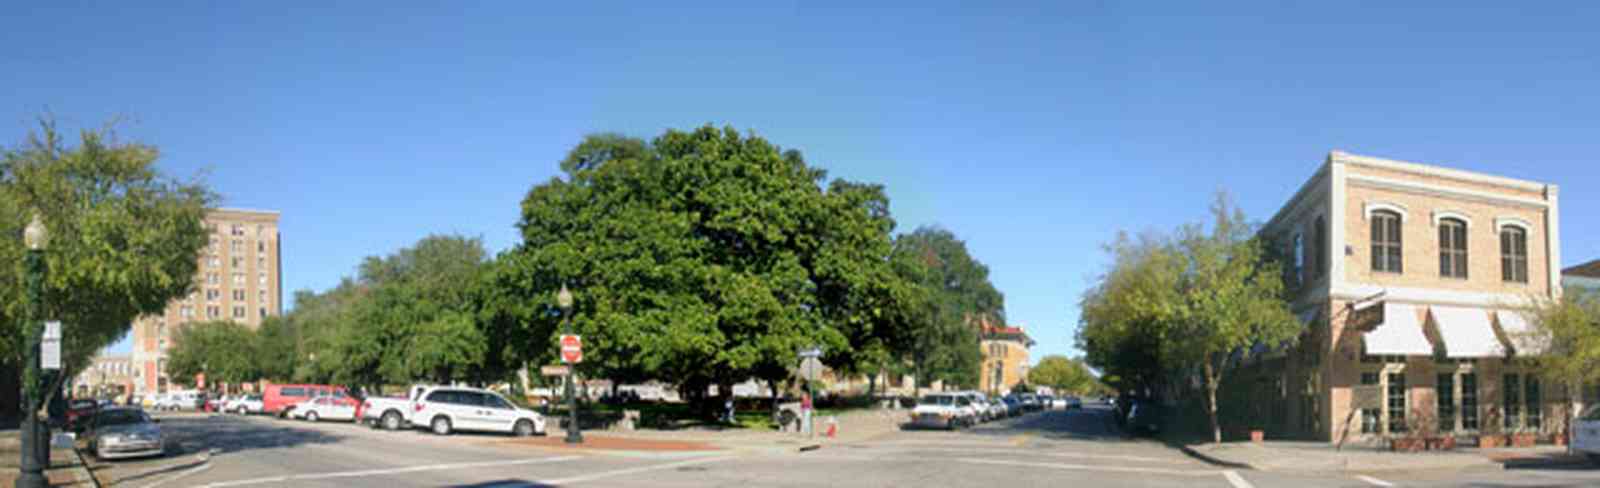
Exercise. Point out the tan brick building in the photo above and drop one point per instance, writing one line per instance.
(1005, 357)
(1409, 278)
(240, 279)
(111, 374)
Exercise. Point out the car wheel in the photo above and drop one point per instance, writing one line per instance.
(441, 425)
(524, 428)
(950, 424)
(311, 416)
(391, 420)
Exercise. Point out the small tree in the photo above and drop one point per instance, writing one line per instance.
(1063, 374)
(1565, 340)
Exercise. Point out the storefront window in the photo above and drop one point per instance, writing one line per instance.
(1512, 395)
(1445, 388)
(1469, 401)
(1532, 400)
(1369, 416)
(1397, 402)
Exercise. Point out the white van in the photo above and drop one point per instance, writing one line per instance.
(1586, 434)
(178, 400)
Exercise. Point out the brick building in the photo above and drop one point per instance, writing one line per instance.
(240, 279)
(111, 374)
(1005, 356)
(1409, 278)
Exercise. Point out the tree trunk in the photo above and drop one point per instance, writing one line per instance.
(1211, 401)
(872, 387)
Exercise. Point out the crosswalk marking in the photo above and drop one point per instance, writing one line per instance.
(1374, 481)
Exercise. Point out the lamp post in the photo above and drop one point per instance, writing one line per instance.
(574, 434)
(34, 430)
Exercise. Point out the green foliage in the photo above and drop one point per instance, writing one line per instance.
(1568, 331)
(123, 238)
(949, 292)
(224, 350)
(1062, 374)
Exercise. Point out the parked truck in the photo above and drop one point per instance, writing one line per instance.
(392, 412)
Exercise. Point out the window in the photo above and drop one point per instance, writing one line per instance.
(1513, 254)
(1531, 398)
(1469, 401)
(261, 246)
(1299, 271)
(186, 312)
(1445, 389)
(238, 279)
(238, 295)
(295, 392)
(237, 262)
(261, 296)
(212, 294)
(263, 312)
(1319, 243)
(238, 246)
(238, 312)
(1452, 248)
(1512, 389)
(213, 312)
(1397, 402)
(1370, 416)
(237, 230)
(261, 279)
(261, 262)
(214, 261)
(215, 244)
(1386, 241)
(213, 279)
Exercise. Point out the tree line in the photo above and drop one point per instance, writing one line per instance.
(701, 257)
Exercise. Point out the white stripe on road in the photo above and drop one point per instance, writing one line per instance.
(1237, 481)
(382, 472)
(1374, 481)
(1039, 452)
(1083, 467)
(620, 472)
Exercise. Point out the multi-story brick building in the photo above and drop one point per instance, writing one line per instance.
(1005, 356)
(240, 279)
(1410, 278)
(110, 374)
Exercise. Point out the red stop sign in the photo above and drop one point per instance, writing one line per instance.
(571, 348)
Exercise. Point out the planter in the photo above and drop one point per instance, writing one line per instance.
(1441, 443)
(1407, 445)
(1560, 440)
(1491, 441)
(1257, 436)
(1524, 440)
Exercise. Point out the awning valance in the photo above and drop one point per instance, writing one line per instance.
(1466, 332)
(1399, 334)
(1517, 330)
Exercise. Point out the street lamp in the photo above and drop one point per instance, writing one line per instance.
(574, 434)
(35, 455)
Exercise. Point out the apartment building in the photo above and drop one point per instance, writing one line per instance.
(240, 280)
(1409, 279)
(1005, 356)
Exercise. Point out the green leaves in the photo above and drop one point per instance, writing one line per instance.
(1063, 374)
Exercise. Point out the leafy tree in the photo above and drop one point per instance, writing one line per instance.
(955, 292)
(1123, 317)
(123, 238)
(1061, 373)
(1564, 340)
(701, 257)
(224, 350)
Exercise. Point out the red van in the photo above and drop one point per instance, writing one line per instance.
(279, 399)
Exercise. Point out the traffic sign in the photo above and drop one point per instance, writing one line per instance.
(571, 348)
(813, 352)
(555, 370)
(50, 346)
(811, 369)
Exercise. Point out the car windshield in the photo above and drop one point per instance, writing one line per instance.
(121, 417)
(1592, 415)
(938, 400)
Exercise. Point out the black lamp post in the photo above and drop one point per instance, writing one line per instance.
(574, 435)
(34, 430)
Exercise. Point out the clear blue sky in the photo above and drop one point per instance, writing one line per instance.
(1035, 132)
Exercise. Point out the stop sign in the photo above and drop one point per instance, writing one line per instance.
(571, 348)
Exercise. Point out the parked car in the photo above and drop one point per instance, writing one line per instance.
(245, 405)
(179, 400)
(998, 409)
(945, 411)
(1072, 403)
(446, 409)
(327, 408)
(1014, 406)
(215, 403)
(980, 405)
(392, 413)
(80, 411)
(124, 432)
(280, 400)
(1586, 434)
(1144, 417)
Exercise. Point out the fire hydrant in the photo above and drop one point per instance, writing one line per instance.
(833, 427)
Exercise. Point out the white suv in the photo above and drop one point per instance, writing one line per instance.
(446, 409)
(944, 410)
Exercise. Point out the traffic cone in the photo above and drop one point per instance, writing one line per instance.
(833, 427)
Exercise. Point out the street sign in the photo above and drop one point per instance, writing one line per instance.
(814, 352)
(554, 370)
(811, 369)
(50, 346)
(571, 348)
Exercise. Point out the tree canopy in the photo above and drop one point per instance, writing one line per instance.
(953, 294)
(1063, 374)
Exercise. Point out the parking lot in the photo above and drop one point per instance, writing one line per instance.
(1053, 448)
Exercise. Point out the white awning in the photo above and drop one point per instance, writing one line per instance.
(1517, 330)
(1399, 334)
(1466, 332)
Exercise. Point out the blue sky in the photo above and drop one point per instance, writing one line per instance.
(1033, 131)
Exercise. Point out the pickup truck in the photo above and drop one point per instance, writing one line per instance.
(392, 413)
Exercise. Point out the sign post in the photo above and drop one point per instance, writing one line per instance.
(571, 348)
(50, 346)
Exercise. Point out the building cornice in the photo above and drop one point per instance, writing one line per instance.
(1306, 195)
(1434, 171)
(1438, 191)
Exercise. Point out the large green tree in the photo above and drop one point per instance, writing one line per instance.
(1063, 374)
(955, 293)
(226, 351)
(124, 239)
(699, 257)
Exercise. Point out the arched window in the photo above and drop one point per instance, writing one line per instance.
(1513, 254)
(1386, 241)
(1319, 242)
(1452, 248)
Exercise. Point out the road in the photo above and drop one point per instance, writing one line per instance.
(1057, 448)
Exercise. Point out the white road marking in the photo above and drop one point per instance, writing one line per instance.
(390, 471)
(1237, 481)
(180, 475)
(1374, 481)
(641, 469)
(1084, 467)
(1042, 452)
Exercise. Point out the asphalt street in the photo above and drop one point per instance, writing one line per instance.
(1054, 449)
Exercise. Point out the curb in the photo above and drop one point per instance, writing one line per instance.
(81, 471)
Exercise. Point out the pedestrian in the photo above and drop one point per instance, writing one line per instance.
(728, 407)
(805, 411)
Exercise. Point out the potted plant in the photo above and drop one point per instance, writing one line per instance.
(1524, 438)
(1490, 436)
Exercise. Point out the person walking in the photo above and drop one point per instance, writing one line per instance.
(805, 411)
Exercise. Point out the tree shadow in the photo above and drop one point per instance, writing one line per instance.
(507, 483)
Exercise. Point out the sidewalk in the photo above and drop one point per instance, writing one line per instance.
(66, 468)
(1321, 457)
